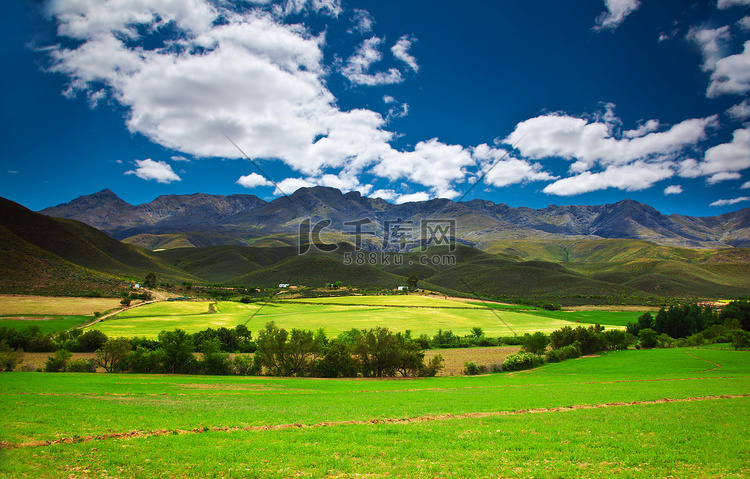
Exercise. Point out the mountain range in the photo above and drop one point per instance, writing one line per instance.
(543, 254)
(204, 220)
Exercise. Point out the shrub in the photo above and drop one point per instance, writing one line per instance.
(143, 360)
(82, 366)
(58, 362)
(214, 361)
(471, 369)
(570, 351)
(740, 339)
(519, 361)
(113, 355)
(244, 366)
(432, 367)
(9, 358)
(536, 343)
(647, 337)
(89, 341)
(553, 356)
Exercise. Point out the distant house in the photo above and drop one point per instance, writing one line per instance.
(403, 288)
(284, 285)
(136, 286)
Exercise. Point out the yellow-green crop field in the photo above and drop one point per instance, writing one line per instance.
(420, 314)
(58, 306)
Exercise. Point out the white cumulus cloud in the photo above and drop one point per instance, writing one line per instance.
(722, 4)
(154, 170)
(636, 176)
(250, 77)
(740, 111)
(363, 21)
(731, 75)
(357, 68)
(253, 180)
(412, 198)
(732, 201)
(617, 11)
(673, 190)
(603, 158)
(721, 162)
(401, 51)
(712, 42)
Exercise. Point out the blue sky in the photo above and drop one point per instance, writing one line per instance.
(550, 102)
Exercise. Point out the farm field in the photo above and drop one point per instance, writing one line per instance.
(51, 305)
(399, 313)
(51, 314)
(643, 414)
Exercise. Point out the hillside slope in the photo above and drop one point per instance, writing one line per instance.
(43, 252)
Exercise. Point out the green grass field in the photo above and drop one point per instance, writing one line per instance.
(641, 414)
(47, 324)
(420, 314)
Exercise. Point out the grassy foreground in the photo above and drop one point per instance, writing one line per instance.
(655, 413)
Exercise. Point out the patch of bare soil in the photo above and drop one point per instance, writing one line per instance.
(34, 361)
(455, 358)
(424, 418)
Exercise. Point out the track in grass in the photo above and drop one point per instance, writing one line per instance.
(424, 418)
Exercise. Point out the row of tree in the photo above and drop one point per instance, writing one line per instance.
(686, 320)
(370, 353)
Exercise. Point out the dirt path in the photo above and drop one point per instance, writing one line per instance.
(718, 366)
(425, 418)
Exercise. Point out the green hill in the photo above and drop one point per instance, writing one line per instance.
(57, 256)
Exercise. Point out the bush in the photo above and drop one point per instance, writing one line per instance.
(82, 366)
(520, 361)
(432, 367)
(740, 339)
(648, 338)
(244, 366)
(214, 361)
(536, 343)
(9, 358)
(89, 341)
(58, 362)
(471, 369)
(113, 355)
(570, 351)
(143, 360)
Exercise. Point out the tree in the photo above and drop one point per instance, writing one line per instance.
(411, 283)
(285, 353)
(337, 360)
(90, 341)
(113, 355)
(9, 358)
(178, 351)
(536, 343)
(58, 362)
(648, 338)
(739, 310)
(150, 281)
(214, 361)
(377, 352)
(740, 339)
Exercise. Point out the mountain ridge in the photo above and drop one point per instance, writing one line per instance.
(239, 218)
